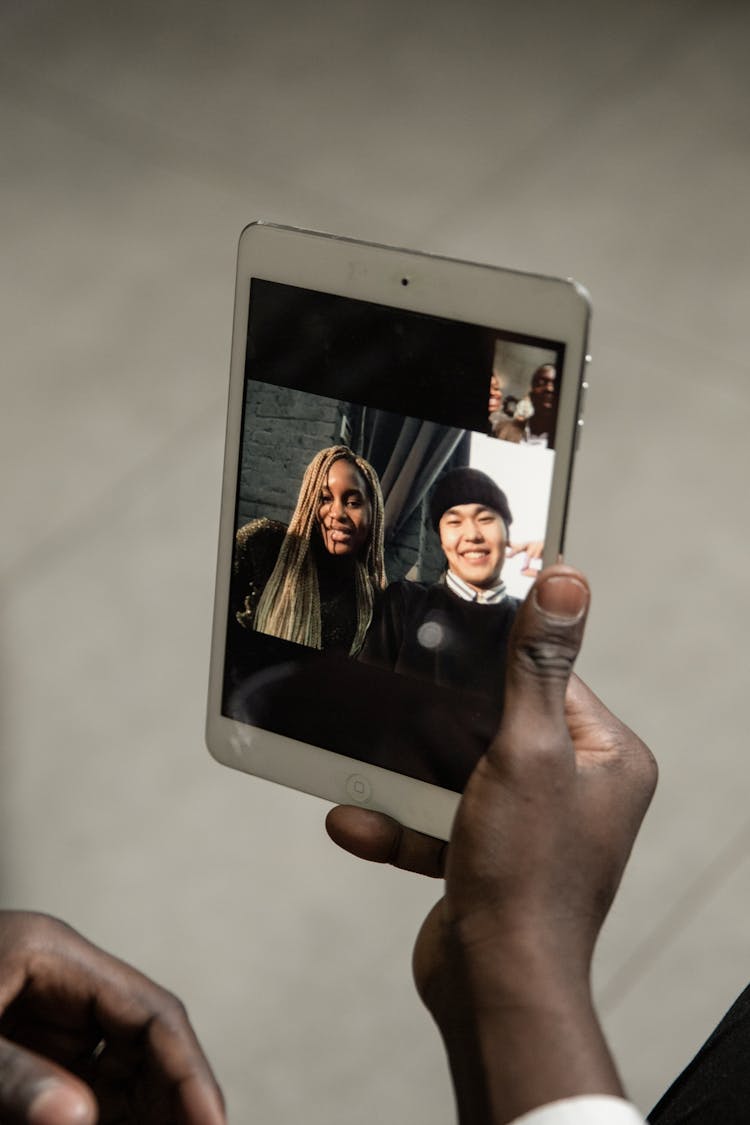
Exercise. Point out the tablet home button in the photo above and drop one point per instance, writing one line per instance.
(359, 788)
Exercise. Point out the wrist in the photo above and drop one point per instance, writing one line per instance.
(485, 993)
(514, 1057)
(484, 970)
(519, 1027)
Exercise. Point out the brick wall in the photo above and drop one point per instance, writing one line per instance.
(284, 429)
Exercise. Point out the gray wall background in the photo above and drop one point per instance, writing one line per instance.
(604, 141)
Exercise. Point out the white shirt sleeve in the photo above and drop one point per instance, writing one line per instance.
(589, 1109)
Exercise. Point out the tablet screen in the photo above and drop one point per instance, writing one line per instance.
(391, 509)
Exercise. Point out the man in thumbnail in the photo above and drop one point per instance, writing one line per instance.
(541, 424)
(533, 420)
(454, 632)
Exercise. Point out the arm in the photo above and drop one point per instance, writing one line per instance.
(539, 844)
(85, 1038)
(386, 633)
(256, 549)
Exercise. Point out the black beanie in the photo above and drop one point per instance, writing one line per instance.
(468, 486)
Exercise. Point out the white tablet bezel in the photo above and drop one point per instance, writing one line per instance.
(527, 304)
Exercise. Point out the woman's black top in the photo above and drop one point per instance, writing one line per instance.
(257, 548)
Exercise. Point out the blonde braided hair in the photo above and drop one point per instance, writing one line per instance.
(289, 607)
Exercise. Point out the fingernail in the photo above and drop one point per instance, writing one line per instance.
(57, 1104)
(561, 596)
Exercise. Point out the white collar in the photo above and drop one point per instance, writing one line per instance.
(469, 594)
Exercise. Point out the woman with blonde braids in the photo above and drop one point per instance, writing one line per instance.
(315, 582)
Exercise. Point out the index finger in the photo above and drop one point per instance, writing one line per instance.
(78, 987)
(381, 839)
(131, 1008)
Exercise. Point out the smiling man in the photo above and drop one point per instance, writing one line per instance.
(455, 632)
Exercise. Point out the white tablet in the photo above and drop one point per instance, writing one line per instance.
(399, 448)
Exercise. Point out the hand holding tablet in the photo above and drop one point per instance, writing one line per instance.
(539, 844)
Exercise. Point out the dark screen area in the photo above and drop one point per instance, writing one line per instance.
(390, 359)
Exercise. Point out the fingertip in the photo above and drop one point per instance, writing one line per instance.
(562, 593)
(381, 839)
(362, 832)
(59, 1103)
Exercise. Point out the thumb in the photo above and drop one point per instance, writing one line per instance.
(544, 643)
(34, 1091)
